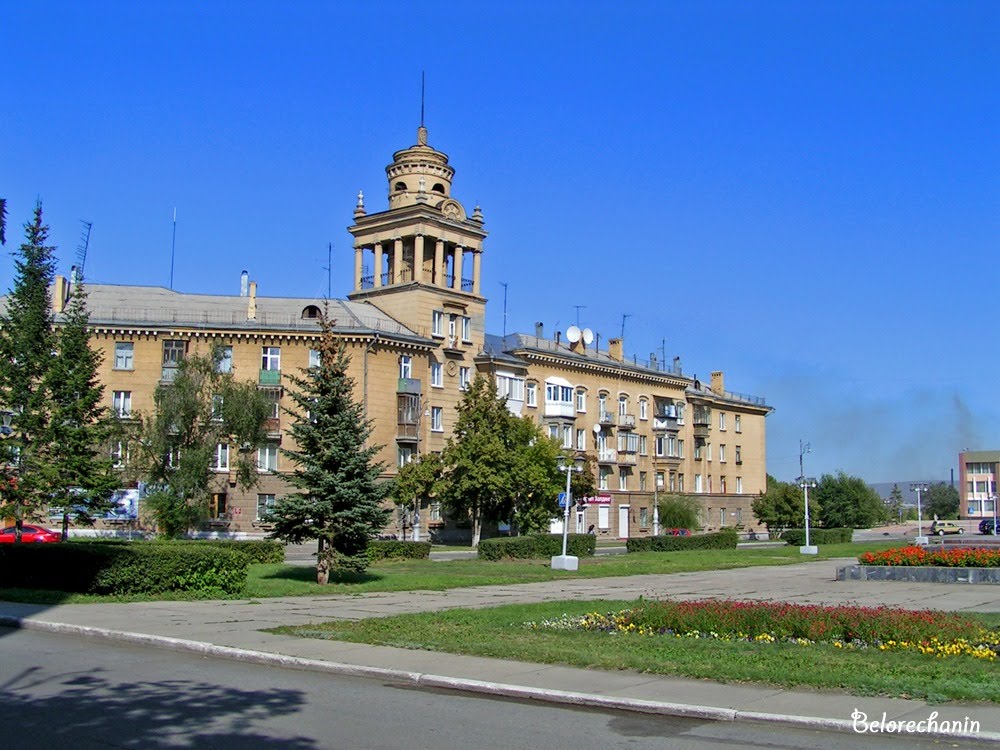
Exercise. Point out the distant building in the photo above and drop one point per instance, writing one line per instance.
(977, 483)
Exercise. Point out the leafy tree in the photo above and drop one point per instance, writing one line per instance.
(847, 502)
(678, 512)
(535, 477)
(781, 506)
(339, 498)
(27, 343)
(417, 481)
(80, 427)
(175, 446)
(894, 505)
(583, 484)
(940, 500)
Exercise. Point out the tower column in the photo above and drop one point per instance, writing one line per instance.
(378, 264)
(396, 274)
(477, 260)
(418, 259)
(439, 263)
(359, 253)
(456, 283)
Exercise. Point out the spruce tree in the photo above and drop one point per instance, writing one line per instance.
(27, 347)
(80, 429)
(339, 498)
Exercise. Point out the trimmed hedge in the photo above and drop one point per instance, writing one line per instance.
(725, 539)
(138, 568)
(797, 537)
(536, 546)
(390, 549)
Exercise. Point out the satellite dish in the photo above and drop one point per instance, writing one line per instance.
(597, 429)
(572, 334)
(588, 336)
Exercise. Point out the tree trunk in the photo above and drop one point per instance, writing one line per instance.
(322, 565)
(477, 527)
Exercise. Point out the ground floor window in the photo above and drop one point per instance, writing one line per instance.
(265, 504)
(217, 505)
(643, 517)
(603, 517)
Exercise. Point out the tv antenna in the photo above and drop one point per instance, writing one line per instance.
(578, 314)
(329, 268)
(81, 249)
(504, 285)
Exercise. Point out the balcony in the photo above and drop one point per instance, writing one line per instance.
(701, 429)
(607, 456)
(626, 458)
(626, 421)
(408, 385)
(270, 377)
(666, 421)
(272, 426)
(407, 433)
(606, 418)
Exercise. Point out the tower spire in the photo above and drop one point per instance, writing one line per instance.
(422, 131)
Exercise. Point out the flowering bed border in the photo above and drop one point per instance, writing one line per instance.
(918, 574)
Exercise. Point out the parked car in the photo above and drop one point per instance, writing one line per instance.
(940, 528)
(29, 533)
(986, 526)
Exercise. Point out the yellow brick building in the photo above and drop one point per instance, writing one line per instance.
(414, 327)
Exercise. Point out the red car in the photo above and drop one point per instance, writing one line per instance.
(30, 533)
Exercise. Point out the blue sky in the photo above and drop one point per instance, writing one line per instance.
(803, 195)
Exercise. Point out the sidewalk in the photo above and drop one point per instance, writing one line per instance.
(231, 629)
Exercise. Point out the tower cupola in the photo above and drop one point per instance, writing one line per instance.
(419, 174)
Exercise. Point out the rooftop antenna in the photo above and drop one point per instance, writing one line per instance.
(625, 316)
(81, 249)
(329, 268)
(578, 314)
(422, 88)
(173, 246)
(504, 285)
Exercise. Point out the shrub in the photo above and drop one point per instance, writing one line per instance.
(536, 546)
(725, 539)
(797, 537)
(124, 568)
(385, 549)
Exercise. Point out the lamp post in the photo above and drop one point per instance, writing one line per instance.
(805, 483)
(564, 561)
(919, 487)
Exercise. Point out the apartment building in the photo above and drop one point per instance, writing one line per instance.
(977, 482)
(414, 327)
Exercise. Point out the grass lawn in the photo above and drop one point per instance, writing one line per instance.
(423, 575)
(500, 632)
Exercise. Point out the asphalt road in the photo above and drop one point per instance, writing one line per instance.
(66, 691)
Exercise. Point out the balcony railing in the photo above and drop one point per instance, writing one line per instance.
(408, 385)
(665, 423)
(606, 418)
(607, 456)
(272, 425)
(407, 432)
(627, 459)
(270, 377)
(626, 421)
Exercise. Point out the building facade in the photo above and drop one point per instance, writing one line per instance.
(414, 327)
(977, 482)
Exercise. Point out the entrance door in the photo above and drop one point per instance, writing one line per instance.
(623, 521)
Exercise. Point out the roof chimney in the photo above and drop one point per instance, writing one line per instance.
(244, 280)
(538, 330)
(718, 384)
(60, 293)
(252, 304)
(615, 349)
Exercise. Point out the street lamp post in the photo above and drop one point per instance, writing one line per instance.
(919, 487)
(805, 483)
(564, 561)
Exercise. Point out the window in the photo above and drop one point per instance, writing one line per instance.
(314, 358)
(708, 450)
(554, 431)
(124, 355)
(265, 504)
(173, 352)
(559, 394)
(463, 378)
(622, 406)
(722, 485)
(736, 423)
(270, 358)
(581, 440)
(119, 454)
(404, 455)
(722, 517)
(602, 479)
(603, 517)
(697, 451)
(436, 419)
(567, 437)
(722, 420)
(722, 453)
(673, 482)
(660, 445)
(531, 395)
(680, 449)
(436, 376)
(642, 481)
(643, 518)
(510, 387)
(680, 482)
(272, 397)
(672, 444)
(623, 479)
(643, 409)
(267, 457)
(680, 413)
(217, 407)
(405, 367)
(659, 480)
(581, 401)
(435, 513)
(220, 461)
(739, 455)
(602, 404)
(739, 485)
(451, 330)
(709, 483)
(437, 323)
(217, 505)
(697, 483)
(223, 359)
(643, 447)
(466, 329)
(121, 402)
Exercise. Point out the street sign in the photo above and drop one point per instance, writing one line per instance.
(562, 499)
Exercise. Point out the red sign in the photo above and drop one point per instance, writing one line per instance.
(599, 500)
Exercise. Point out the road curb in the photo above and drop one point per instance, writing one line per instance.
(459, 684)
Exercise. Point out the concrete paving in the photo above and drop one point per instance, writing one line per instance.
(232, 629)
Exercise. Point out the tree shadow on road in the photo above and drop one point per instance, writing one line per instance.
(92, 710)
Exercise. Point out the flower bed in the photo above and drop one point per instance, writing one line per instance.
(927, 632)
(964, 557)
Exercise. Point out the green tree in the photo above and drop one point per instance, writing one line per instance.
(339, 497)
(535, 477)
(781, 506)
(27, 343)
(847, 502)
(678, 512)
(583, 484)
(80, 425)
(940, 500)
(416, 483)
(894, 506)
(174, 448)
